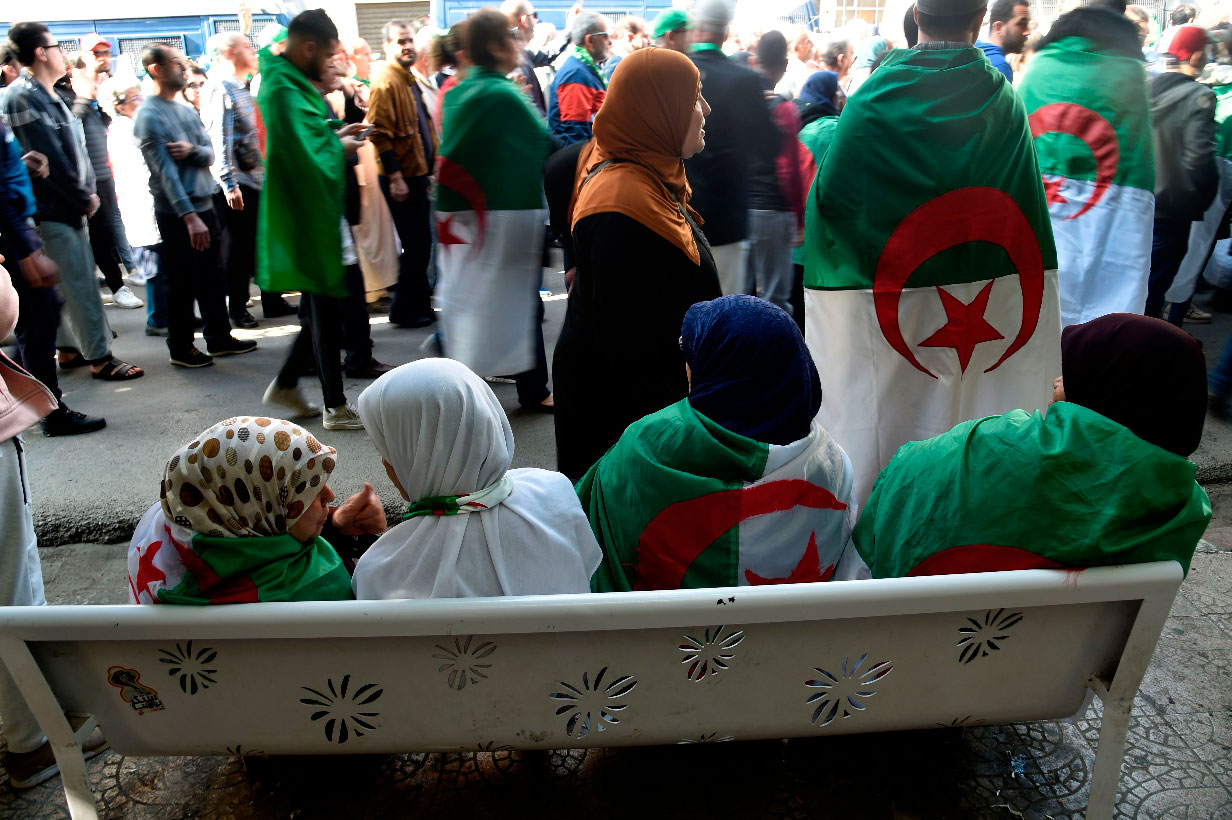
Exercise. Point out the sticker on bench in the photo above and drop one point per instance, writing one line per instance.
(846, 691)
(136, 694)
(589, 706)
(711, 653)
(342, 715)
(462, 661)
(979, 638)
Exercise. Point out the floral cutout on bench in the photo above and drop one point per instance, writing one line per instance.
(711, 653)
(969, 720)
(194, 670)
(343, 715)
(462, 661)
(589, 706)
(846, 691)
(980, 638)
(712, 737)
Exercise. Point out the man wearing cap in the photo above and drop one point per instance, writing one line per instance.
(671, 30)
(97, 46)
(738, 128)
(1186, 176)
(929, 261)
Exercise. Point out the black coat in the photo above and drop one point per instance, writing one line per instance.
(618, 357)
(739, 126)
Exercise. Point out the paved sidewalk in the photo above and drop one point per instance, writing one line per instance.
(1178, 765)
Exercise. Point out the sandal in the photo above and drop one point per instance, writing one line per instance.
(77, 360)
(118, 371)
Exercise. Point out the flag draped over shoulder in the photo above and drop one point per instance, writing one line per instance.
(299, 226)
(171, 564)
(1017, 491)
(1089, 111)
(929, 261)
(682, 502)
(490, 222)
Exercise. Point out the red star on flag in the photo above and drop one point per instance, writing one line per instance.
(1052, 192)
(147, 573)
(445, 234)
(965, 325)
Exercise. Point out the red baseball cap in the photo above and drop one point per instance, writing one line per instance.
(92, 41)
(1186, 42)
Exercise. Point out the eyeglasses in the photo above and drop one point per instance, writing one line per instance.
(103, 52)
(195, 85)
(49, 46)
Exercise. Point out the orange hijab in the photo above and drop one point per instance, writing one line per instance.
(644, 121)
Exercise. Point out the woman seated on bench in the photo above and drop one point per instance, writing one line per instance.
(1101, 478)
(737, 484)
(474, 527)
(240, 520)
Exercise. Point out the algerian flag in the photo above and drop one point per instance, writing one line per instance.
(490, 223)
(682, 502)
(1089, 111)
(171, 564)
(929, 264)
(1019, 491)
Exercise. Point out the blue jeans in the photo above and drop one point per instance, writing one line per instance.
(1169, 244)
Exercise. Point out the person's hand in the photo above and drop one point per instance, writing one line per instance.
(179, 149)
(398, 188)
(94, 203)
(354, 129)
(351, 145)
(361, 514)
(36, 164)
(235, 199)
(40, 271)
(198, 234)
(570, 275)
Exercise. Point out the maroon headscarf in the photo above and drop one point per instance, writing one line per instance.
(1143, 373)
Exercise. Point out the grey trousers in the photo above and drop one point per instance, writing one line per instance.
(85, 325)
(21, 584)
(768, 256)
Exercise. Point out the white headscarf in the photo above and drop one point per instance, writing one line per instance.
(496, 531)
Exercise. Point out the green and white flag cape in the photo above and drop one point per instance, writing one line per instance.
(930, 271)
(1019, 491)
(1090, 114)
(490, 222)
(682, 502)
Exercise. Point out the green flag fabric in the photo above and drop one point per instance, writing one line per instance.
(1071, 488)
(1089, 110)
(682, 502)
(299, 225)
(815, 137)
(929, 262)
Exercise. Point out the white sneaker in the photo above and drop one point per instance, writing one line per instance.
(341, 418)
(125, 298)
(1195, 316)
(289, 398)
(250, 303)
(136, 278)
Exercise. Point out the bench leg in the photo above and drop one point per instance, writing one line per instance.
(1113, 733)
(65, 743)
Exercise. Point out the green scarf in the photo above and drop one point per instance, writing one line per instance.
(584, 55)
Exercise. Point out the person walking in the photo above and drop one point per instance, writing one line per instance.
(179, 154)
(405, 140)
(578, 89)
(302, 248)
(631, 213)
(65, 199)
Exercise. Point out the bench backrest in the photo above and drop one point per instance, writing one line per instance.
(597, 670)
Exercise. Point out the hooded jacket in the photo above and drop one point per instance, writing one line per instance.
(1186, 178)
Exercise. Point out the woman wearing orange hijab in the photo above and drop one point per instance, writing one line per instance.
(641, 258)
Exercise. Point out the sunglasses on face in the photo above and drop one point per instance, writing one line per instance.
(102, 52)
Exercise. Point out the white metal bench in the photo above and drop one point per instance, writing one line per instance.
(594, 670)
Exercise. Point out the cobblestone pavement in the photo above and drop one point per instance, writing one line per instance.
(1178, 765)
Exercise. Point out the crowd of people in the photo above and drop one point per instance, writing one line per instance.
(918, 297)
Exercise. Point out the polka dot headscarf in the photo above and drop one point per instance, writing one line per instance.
(246, 476)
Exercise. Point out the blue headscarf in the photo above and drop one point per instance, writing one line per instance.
(820, 89)
(751, 371)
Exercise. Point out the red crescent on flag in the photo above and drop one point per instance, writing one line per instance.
(675, 537)
(453, 176)
(954, 218)
(1088, 126)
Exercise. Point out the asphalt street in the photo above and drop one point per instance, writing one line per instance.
(94, 488)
